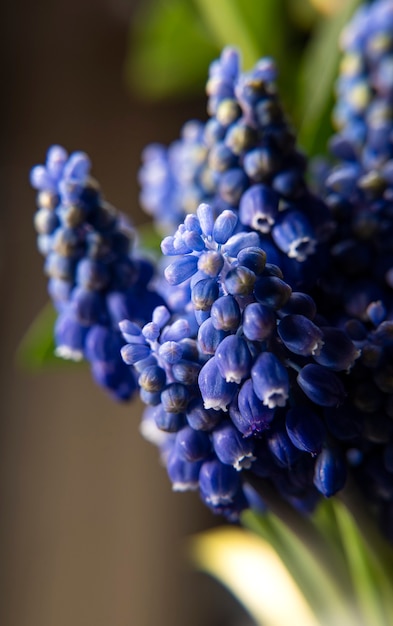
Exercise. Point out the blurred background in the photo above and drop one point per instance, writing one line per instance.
(90, 532)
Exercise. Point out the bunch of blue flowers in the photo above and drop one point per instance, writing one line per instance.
(265, 350)
(94, 280)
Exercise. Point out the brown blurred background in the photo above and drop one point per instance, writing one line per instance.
(90, 532)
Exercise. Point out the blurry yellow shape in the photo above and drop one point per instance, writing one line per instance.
(328, 7)
(253, 572)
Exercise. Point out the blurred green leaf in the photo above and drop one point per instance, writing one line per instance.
(324, 593)
(254, 572)
(169, 51)
(37, 348)
(173, 42)
(371, 576)
(149, 238)
(316, 80)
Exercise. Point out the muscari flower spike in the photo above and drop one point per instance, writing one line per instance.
(232, 364)
(243, 159)
(94, 279)
(271, 363)
(273, 356)
(355, 292)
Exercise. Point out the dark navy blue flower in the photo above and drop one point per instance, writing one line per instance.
(330, 472)
(270, 380)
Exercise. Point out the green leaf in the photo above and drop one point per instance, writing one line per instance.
(254, 572)
(257, 29)
(149, 238)
(169, 50)
(173, 42)
(317, 75)
(324, 592)
(371, 576)
(37, 348)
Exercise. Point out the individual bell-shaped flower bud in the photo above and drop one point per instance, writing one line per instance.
(300, 304)
(131, 332)
(240, 281)
(161, 316)
(300, 335)
(131, 353)
(102, 344)
(233, 359)
(170, 351)
(70, 337)
(168, 422)
(254, 258)
(175, 398)
(253, 416)
(232, 184)
(192, 445)
(221, 158)
(181, 269)
(92, 274)
(211, 263)
(186, 372)
(282, 448)
(271, 291)
(259, 208)
(183, 474)
(152, 398)
(338, 352)
(204, 294)
(259, 321)
(209, 338)
(218, 482)
(295, 236)
(225, 313)
(224, 226)
(321, 385)
(205, 215)
(193, 240)
(330, 471)
(153, 378)
(200, 418)
(88, 306)
(151, 331)
(270, 380)
(305, 429)
(216, 392)
(231, 448)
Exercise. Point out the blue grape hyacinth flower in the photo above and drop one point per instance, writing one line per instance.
(95, 280)
(243, 159)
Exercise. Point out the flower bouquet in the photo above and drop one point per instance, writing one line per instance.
(261, 339)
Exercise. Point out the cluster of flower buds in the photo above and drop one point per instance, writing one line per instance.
(242, 379)
(94, 282)
(356, 290)
(244, 158)
(268, 354)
